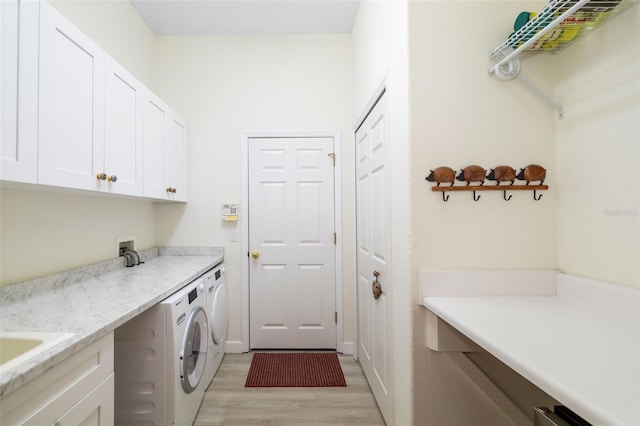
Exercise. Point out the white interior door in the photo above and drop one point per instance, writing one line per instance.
(292, 301)
(374, 344)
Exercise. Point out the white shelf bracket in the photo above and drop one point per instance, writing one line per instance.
(540, 93)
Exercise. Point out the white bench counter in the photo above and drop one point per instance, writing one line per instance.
(580, 345)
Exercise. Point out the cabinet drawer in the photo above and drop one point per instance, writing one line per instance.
(95, 409)
(50, 396)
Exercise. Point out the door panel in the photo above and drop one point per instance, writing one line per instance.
(123, 130)
(154, 116)
(291, 226)
(372, 205)
(175, 158)
(19, 27)
(71, 134)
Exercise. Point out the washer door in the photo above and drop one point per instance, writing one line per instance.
(194, 350)
(219, 316)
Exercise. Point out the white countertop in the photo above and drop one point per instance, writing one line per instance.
(583, 351)
(93, 307)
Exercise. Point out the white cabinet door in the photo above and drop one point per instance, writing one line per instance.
(155, 112)
(165, 151)
(175, 158)
(78, 390)
(19, 90)
(122, 131)
(95, 409)
(71, 134)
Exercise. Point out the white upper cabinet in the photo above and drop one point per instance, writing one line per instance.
(123, 154)
(71, 132)
(165, 151)
(19, 90)
(175, 158)
(73, 117)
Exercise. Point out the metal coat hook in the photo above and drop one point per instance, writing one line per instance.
(534, 195)
(445, 199)
(504, 194)
(474, 196)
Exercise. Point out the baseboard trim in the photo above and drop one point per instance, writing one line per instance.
(233, 347)
(348, 348)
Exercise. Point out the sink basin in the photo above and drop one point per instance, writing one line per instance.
(20, 346)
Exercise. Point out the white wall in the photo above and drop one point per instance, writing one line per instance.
(460, 115)
(116, 27)
(598, 154)
(224, 85)
(380, 53)
(43, 233)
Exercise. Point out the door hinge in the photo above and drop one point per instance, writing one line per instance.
(333, 157)
(336, 316)
(335, 238)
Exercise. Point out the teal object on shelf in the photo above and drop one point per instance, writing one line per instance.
(521, 19)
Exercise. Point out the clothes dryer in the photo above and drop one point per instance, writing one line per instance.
(160, 359)
(218, 314)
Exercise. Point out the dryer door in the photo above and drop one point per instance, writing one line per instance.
(194, 350)
(219, 316)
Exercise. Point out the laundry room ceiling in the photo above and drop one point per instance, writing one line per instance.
(172, 17)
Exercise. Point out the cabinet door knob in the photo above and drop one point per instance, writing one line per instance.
(113, 178)
(169, 189)
(101, 176)
(255, 254)
(174, 190)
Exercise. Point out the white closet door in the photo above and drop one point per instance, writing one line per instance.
(374, 317)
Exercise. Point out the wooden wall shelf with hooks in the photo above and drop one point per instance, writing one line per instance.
(504, 188)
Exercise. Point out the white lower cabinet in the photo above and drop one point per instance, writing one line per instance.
(78, 391)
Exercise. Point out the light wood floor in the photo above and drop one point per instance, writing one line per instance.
(228, 402)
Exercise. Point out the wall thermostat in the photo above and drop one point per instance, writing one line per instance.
(230, 212)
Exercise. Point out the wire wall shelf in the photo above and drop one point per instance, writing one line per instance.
(560, 24)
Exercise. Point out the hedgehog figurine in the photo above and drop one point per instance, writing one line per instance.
(472, 174)
(442, 175)
(532, 173)
(502, 174)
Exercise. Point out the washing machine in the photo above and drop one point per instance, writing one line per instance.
(160, 359)
(215, 282)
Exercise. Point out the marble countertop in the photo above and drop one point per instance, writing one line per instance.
(581, 345)
(93, 307)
